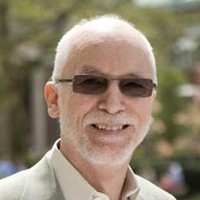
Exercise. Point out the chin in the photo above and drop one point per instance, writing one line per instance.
(106, 156)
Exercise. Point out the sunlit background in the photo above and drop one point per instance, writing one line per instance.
(29, 32)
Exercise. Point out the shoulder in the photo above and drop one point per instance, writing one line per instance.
(13, 187)
(150, 191)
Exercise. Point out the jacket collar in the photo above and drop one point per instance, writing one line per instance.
(41, 184)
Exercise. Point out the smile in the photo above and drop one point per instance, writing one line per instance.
(109, 127)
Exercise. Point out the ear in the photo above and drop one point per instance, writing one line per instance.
(154, 95)
(51, 97)
(155, 103)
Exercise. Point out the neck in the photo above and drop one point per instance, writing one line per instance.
(106, 179)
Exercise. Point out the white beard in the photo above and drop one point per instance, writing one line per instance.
(99, 154)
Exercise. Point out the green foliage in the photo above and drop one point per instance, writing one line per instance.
(30, 29)
(172, 104)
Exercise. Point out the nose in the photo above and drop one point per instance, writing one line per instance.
(112, 100)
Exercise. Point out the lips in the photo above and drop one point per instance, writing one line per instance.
(107, 127)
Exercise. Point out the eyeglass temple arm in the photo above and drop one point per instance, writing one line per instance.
(63, 80)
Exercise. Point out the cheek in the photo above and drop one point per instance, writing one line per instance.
(143, 108)
(77, 107)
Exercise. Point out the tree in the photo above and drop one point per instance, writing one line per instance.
(30, 29)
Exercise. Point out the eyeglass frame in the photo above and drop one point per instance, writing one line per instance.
(72, 80)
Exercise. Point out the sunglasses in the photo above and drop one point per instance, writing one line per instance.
(92, 85)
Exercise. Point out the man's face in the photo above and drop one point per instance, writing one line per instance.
(104, 128)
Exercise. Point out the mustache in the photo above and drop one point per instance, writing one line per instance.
(100, 117)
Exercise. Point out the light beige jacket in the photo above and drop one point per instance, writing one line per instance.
(39, 183)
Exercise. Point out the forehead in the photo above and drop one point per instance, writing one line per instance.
(110, 55)
(112, 49)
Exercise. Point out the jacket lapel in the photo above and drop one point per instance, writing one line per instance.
(41, 183)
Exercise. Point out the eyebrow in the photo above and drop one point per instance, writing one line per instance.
(88, 70)
(94, 70)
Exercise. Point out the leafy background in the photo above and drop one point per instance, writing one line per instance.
(29, 32)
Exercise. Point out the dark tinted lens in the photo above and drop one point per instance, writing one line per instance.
(137, 87)
(88, 84)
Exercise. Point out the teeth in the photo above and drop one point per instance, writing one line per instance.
(109, 127)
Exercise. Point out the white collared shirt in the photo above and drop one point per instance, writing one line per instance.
(75, 187)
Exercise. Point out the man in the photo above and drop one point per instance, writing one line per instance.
(102, 91)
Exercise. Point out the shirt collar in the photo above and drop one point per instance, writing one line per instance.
(75, 187)
(131, 188)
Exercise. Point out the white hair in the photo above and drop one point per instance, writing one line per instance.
(65, 46)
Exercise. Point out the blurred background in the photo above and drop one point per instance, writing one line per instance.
(29, 32)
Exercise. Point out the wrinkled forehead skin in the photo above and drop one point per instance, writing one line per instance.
(99, 34)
